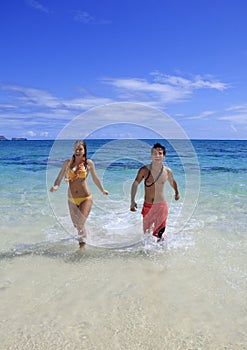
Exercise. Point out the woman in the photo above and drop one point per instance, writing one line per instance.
(75, 171)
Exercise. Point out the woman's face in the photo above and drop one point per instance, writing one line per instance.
(79, 151)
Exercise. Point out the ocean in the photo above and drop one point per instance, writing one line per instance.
(124, 291)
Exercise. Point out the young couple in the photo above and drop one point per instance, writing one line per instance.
(75, 171)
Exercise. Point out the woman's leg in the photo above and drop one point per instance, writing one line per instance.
(79, 215)
(84, 208)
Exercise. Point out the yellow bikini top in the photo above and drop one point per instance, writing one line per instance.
(81, 173)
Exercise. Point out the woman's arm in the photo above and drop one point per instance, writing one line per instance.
(59, 177)
(95, 177)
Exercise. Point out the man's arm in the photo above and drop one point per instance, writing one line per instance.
(138, 179)
(173, 184)
(133, 204)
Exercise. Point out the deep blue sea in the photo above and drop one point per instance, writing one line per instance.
(124, 291)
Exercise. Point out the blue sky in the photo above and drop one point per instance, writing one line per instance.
(62, 58)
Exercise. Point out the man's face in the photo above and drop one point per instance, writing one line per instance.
(158, 155)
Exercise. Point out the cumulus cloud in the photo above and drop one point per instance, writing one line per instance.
(44, 134)
(31, 133)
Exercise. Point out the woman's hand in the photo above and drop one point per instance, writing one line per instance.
(54, 188)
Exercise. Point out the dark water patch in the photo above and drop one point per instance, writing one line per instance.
(124, 164)
(21, 161)
(55, 161)
(222, 169)
(224, 156)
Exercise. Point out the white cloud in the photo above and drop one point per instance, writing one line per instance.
(6, 106)
(85, 18)
(197, 82)
(160, 92)
(140, 90)
(44, 134)
(31, 133)
(163, 90)
(236, 114)
(40, 110)
(43, 112)
(202, 115)
(43, 104)
(37, 5)
(240, 118)
(242, 107)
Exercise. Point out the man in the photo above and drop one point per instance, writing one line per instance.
(155, 208)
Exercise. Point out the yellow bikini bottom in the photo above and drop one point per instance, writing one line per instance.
(78, 201)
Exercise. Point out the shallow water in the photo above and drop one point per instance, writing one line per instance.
(188, 294)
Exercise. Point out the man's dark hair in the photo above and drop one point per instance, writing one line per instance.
(158, 145)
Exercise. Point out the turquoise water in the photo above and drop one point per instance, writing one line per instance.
(189, 293)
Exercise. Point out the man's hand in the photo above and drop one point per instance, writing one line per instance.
(133, 206)
(177, 196)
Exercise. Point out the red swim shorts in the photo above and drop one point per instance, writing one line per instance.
(154, 216)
